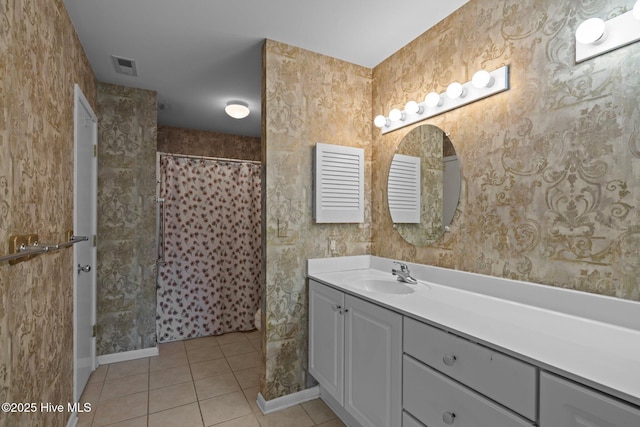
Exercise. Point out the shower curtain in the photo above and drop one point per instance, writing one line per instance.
(209, 282)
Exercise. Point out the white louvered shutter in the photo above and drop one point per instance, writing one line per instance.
(403, 191)
(339, 184)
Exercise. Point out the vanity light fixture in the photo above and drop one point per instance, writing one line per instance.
(237, 109)
(412, 107)
(397, 115)
(483, 84)
(591, 31)
(596, 36)
(455, 91)
(381, 121)
(482, 79)
(433, 100)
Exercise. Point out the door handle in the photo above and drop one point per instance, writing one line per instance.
(85, 269)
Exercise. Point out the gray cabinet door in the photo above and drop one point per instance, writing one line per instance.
(567, 404)
(373, 364)
(326, 338)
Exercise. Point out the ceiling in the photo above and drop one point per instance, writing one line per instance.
(199, 54)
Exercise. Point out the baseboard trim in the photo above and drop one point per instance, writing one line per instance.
(107, 359)
(269, 406)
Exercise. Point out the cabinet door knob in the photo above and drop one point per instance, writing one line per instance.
(336, 307)
(449, 359)
(448, 417)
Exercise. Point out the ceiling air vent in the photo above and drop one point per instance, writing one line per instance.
(124, 65)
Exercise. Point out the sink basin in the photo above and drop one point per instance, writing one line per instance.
(383, 286)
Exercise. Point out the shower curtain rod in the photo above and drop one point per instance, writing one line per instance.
(222, 159)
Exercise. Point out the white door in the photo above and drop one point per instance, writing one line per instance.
(372, 364)
(326, 338)
(84, 253)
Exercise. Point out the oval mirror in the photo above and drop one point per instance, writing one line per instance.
(423, 187)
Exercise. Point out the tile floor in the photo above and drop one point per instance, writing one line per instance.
(202, 382)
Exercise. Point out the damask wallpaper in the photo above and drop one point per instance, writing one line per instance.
(307, 98)
(551, 190)
(211, 144)
(126, 270)
(550, 168)
(40, 60)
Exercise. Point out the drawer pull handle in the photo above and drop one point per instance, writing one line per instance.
(449, 359)
(336, 307)
(448, 417)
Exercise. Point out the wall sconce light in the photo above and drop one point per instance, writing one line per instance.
(237, 109)
(482, 85)
(596, 36)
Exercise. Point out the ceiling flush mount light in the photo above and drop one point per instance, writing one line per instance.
(596, 36)
(483, 84)
(237, 109)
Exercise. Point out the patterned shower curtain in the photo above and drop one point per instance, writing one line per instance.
(209, 283)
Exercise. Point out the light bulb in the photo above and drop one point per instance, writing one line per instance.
(591, 31)
(396, 115)
(381, 121)
(432, 100)
(636, 10)
(482, 79)
(455, 90)
(413, 107)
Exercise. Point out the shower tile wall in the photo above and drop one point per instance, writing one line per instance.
(40, 60)
(551, 190)
(126, 219)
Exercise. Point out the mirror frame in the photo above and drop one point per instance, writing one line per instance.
(440, 184)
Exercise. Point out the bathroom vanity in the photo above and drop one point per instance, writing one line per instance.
(468, 350)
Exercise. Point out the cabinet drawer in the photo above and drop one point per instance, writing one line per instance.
(564, 403)
(409, 421)
(437, 401)
(504, 379)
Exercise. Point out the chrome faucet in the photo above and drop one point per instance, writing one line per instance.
(403, 275)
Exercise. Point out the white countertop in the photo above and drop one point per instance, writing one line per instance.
(586, 337)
